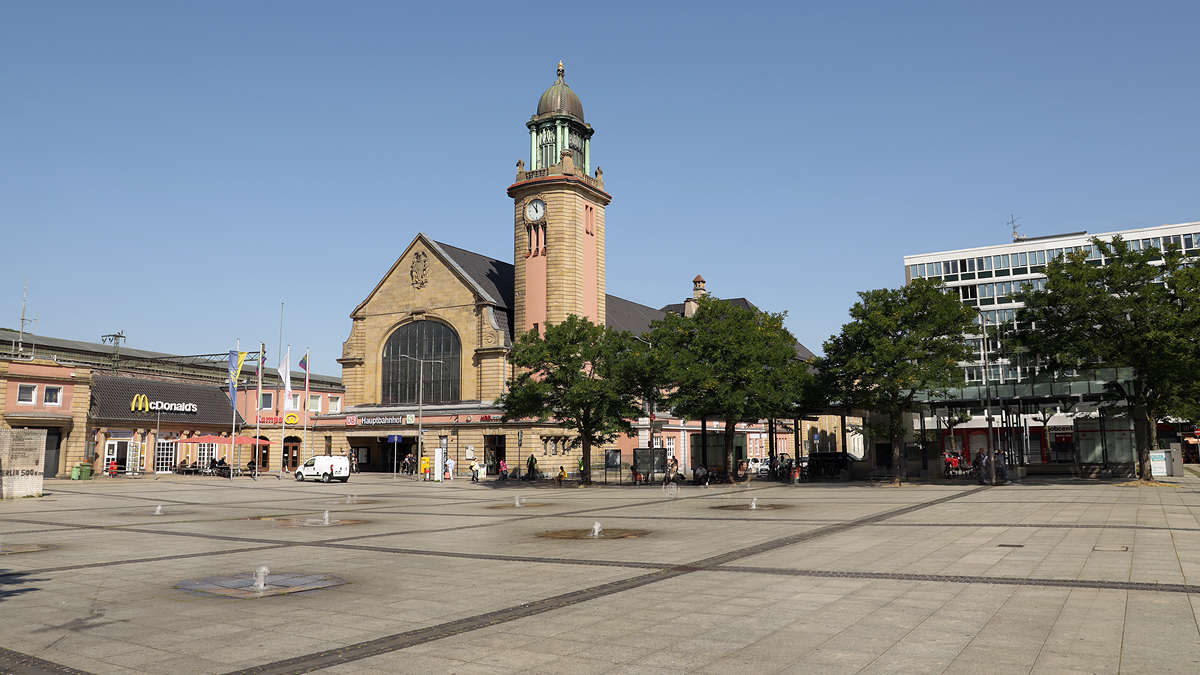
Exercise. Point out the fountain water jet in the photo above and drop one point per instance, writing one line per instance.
(260, 577)
(596, 530)
(326, 521)
(517, 501)
(754, 504)
(158, 510)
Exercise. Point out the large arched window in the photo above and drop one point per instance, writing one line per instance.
(429, 342)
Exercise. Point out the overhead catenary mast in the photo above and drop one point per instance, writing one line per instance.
(20, 346)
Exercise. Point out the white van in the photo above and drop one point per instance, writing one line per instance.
(326, 468)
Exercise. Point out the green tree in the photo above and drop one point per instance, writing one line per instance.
(900, 342)
(737, 363)
(1136, 315)
(571, 375)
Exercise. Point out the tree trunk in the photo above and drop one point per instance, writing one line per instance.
(896, 452)
(1145, 434)
(730, 428)
(585, 473)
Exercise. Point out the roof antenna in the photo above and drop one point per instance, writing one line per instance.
(115, 340)
(1017, 236)
(21, 340)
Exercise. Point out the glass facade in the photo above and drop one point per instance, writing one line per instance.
(425, 350)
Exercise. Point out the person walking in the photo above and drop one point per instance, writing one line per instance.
(531, 466)
(503, 470)
(450, 468)
(474, 471)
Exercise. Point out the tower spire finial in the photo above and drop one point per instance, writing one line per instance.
(561, 70)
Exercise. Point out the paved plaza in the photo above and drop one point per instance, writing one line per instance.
(1053, 576)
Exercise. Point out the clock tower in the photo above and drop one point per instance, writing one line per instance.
(558, 251)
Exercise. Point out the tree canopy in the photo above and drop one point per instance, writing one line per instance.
(899, 343)
(1136, 312)
(572, 375)
(733, 362)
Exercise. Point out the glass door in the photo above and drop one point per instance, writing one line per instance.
(115, 455)
(164, 456)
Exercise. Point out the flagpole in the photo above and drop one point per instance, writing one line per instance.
(307, 366)
(284, 427)
(262, 357)
(233, 404)
(285, 374)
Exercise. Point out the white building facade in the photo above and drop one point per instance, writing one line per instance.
(1043, 421)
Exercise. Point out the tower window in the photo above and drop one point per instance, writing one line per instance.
(547, 144)
(403, 353)
(589, 219)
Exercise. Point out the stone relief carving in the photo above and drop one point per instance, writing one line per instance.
(419, 270)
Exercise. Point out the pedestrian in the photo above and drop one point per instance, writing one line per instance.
(1001, 468)
(503, 470)
(531, 466)
(672, 470)
(450, 467)
(562, 475)
(408, 460)
(474, 471)
(581, 478)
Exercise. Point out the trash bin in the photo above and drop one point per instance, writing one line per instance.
(85, 472)
(75, 472)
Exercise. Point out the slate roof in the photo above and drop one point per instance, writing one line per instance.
(677, 308)
(96, 354)
(494, 277)
(623, 314)
(496, 280)
(113, 396)
(801, 351)
(32, 341)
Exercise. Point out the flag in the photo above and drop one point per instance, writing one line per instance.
(304, 365)
(236, 359)
(285, 374)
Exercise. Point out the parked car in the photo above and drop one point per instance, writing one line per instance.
(325, 468)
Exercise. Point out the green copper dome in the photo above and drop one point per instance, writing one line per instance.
(560, 99)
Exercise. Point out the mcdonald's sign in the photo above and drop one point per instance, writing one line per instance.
(142, 403)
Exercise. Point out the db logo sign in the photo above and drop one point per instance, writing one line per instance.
(351, 421)
(291, 418)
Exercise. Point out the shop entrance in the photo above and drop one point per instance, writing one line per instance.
(118, 452)
(53, 443)
(493, 453)
(291, 453)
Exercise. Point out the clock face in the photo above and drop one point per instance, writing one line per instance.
(536, 210)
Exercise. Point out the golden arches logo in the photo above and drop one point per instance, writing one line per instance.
(140, 402)
(291, 418)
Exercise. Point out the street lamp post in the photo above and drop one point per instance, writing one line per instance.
(650, 411)
(420, 404)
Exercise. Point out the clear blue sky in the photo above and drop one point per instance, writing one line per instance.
(177, 170)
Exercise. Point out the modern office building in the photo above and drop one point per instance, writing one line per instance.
(1046, 421)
